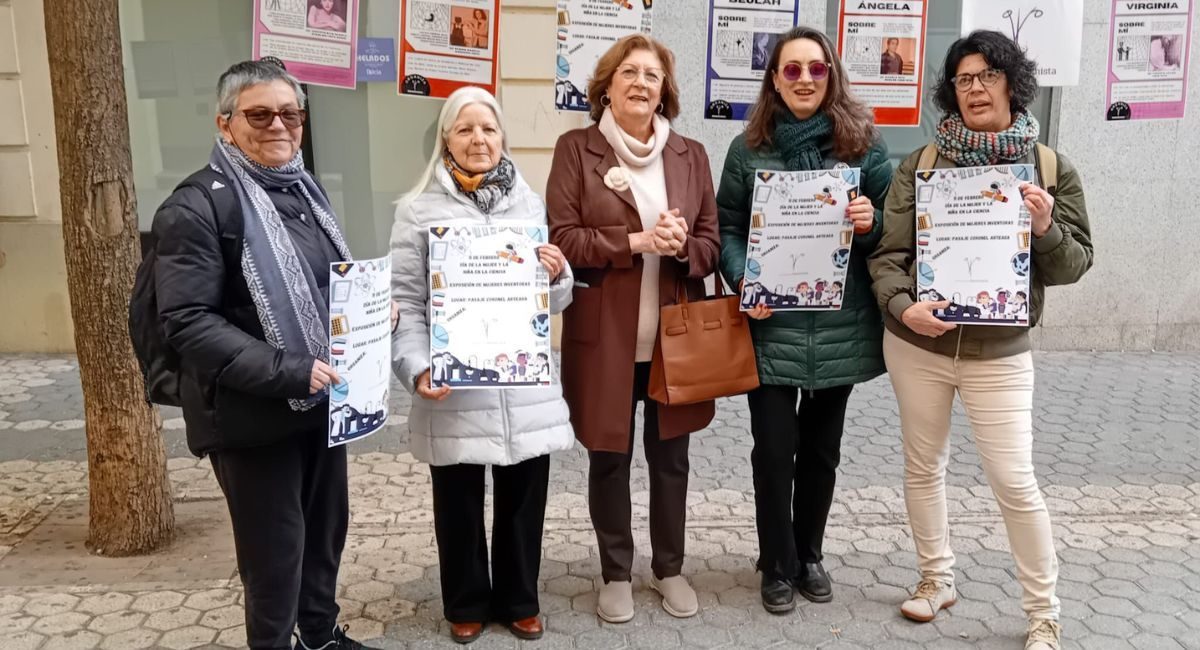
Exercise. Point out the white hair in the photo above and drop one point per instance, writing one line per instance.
(458, 100)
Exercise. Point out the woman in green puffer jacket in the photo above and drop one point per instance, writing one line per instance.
(805, 119)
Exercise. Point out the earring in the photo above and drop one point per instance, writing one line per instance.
(660, 108)
(605, 101)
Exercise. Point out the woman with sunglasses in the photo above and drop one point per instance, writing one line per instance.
(808, 362)
(986, 86)
(242, 254)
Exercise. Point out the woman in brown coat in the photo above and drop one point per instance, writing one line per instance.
(631, 206)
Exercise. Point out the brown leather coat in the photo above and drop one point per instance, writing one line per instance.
(591, 224)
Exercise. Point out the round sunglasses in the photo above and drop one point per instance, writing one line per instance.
(818, 70)
(261, 118)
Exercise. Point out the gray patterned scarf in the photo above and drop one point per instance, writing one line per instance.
(291, 309)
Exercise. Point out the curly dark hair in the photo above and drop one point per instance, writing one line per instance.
(1001, 53)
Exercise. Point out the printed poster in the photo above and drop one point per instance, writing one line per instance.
(741, 37)
(800, 239)
(377, 60)
(586, 29)
(445, 45)
(489, 323)
(360, 347)
(882, 46)
(1148, 54)
(316, 39)
(973, 243)
(1050, 32)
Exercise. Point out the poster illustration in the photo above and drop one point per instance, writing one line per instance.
(741, 37)
(586, 29)
(377, 59)
(360, 347)
(800, 239)
(489, 301)
(973, 243)
(882, 46)
(316, 39)
(1148, 54)
(448, 44)
(1050, 32)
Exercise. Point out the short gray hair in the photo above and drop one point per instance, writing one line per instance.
(241, 76)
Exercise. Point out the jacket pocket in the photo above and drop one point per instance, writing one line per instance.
(581, 321)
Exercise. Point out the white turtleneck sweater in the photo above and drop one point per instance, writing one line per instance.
(643, 161)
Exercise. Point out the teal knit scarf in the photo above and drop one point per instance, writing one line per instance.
(969, 148)
(800, 140)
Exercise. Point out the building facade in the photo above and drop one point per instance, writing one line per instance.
(369, 145)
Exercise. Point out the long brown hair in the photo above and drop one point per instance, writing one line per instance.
(853, 123)
(607, 66)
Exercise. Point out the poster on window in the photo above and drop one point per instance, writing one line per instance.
(586, 29)
(1148, 56)
(882, 46)
(360, 347)
(973, 243)
(489, 323)
(741, 36)
(800, 239)
(448, 44)
(316, 39)
(1049, 31)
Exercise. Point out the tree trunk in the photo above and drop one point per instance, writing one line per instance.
(130, 496)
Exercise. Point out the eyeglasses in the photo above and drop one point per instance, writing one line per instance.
(262, 118)
(818, 70)
(630, 74)
(988, 78)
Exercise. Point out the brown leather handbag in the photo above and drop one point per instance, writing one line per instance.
(704, 350)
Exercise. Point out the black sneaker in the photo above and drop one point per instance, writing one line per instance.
(777, 595)
(338, 641)
(814, 583)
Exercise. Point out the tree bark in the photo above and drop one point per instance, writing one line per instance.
(129, 494)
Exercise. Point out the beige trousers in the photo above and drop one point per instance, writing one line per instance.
(998, 397)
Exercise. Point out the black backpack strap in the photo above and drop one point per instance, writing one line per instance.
(216, 187)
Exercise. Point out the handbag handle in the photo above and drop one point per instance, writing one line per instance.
(681, 298)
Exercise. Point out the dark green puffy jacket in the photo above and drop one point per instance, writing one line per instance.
(811, 350)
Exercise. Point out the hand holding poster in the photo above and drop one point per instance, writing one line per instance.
(973, 243)
(360, 347)
(800, 239)
(1049, 31)
(882, 46)
(741, 37)
(446, 45)
(316, 39)
(489, 307)
(586, 29)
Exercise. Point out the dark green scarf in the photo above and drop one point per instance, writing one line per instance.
(800, 140)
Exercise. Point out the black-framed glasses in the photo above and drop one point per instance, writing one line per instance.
(818, 70)
(988, 78)
(262, 118)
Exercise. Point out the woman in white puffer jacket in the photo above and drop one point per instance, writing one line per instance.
(471, 180)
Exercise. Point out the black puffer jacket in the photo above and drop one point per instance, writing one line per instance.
(234, 386)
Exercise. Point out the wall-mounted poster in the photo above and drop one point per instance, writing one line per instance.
(489, 302)
(586, 29)
(882, 46)
(448, 44)
(973, 243)
(1050, 32)
(360, 347)
(799, 244)
(1148, 55)
(316, 39)
(377, 60)
(741, 36)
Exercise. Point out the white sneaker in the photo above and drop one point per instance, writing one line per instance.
(1044, 634)
(678, 597)
(929, 598)
(615, 602)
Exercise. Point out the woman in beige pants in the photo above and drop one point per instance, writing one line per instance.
(985, 87)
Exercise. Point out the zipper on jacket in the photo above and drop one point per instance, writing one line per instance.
(507, 429)
(812, 352)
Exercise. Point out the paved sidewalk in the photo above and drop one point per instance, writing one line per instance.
(1118, 456)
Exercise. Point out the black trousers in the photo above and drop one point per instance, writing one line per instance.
(609, 499)
(290, 507)
(511, 593)
(795, 458)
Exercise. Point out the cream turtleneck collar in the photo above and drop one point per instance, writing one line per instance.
(631, 151)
